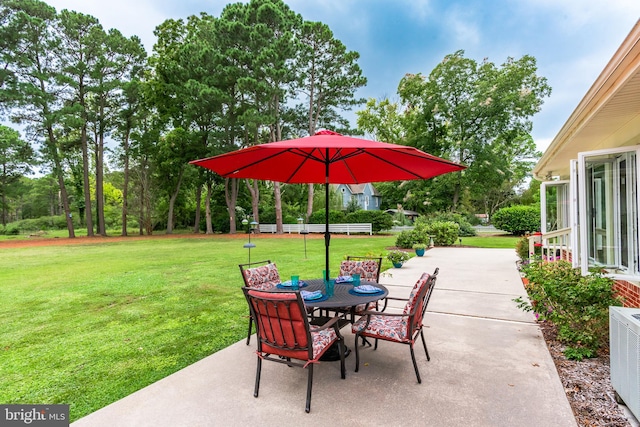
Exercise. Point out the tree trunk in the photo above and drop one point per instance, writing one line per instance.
(86, 188)
(196, 226)
(231, 198)
(125, 186)
(172, 203)
(278, 205)
(254, 190)
(102, 226)
(207, 204)
(309, 203)
(57, 169)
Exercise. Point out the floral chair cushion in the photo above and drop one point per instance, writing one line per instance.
(413, 296)
(368, 269)
(390, 327)
(321, 340)
(263, 278)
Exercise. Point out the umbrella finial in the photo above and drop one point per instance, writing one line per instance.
(327, 132)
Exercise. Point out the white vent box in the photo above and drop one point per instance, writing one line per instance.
(624, 335)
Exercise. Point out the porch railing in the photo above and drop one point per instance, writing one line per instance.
(555, 244)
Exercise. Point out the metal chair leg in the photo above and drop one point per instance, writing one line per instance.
(309, 384)
(415, 365)
(357, 355)
(341, 349)
(255, 391)
(424, 344)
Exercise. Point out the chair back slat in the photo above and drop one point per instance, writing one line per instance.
(367, 267)
(263, 277)
(281, 322)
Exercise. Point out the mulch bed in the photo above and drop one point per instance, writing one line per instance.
(587, 384)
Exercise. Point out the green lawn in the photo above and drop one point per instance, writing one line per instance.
(89, 324)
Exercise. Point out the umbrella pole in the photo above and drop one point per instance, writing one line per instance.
(327, 235)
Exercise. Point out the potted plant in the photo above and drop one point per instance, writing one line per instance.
(419, 248)
(398, 257)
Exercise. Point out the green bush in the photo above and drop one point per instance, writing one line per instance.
(335, 217)
(406, 239)
(466, 229)
(517, 220)
(379, 220)
(444, 233)
(577, 305)
(522, 248)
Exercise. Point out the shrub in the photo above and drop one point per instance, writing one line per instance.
(522, 248)
(444, 233)
(466, 229)
(379, 220)
(335, 217)
(578, 305)
(406, 239)
(517, 220)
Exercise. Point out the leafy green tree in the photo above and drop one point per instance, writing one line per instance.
(81, 38)
(479, 115)
(16, 156)
(35, 95)
(328, 77)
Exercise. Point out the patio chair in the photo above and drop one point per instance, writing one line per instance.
(261, 275)
(402, 328)
(367, 267)
(284, 333)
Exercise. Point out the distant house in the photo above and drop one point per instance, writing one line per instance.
(410, 215)
(365, 195)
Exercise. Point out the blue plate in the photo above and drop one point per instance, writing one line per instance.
(364, 294)
(287, 285)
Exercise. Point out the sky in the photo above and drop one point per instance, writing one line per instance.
(572, 40)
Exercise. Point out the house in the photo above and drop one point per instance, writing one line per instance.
(410, 215)
(365, 195)
(589, 194)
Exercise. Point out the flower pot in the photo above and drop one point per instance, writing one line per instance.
(397, 264)
(420, 252)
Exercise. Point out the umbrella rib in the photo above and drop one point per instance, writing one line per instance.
(248, 165)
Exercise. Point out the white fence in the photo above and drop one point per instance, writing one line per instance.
(318, 228)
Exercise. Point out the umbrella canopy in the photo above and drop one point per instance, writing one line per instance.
(330, 158)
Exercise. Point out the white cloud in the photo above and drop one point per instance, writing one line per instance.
(462, 23)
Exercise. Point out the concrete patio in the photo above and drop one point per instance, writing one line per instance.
(489, 367)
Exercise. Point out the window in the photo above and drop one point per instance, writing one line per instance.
(608, 211)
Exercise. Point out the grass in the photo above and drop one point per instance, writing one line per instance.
(89, 324)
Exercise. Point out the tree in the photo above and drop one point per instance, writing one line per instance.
(16, 156)
(478, 115)
(80, 49)
(35, 96)
(329, 77)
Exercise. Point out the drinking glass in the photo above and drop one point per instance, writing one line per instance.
(356, 279)
(329, 287)
(295, 280)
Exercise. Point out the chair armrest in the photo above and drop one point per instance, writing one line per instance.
(380, 313)
(327, 325)
(398, 299)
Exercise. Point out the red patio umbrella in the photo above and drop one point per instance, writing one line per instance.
(330, 158)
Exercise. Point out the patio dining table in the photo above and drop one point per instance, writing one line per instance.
(342, 301)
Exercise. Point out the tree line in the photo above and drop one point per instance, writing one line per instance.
(257, 73)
